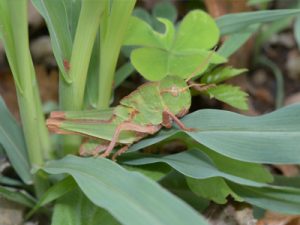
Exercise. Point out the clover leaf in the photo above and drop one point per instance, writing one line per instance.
(177, 52)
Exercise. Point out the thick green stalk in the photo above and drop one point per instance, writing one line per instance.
(72, 94)
(112, 33)
(14, 33)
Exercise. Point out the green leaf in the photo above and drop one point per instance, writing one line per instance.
(75, 209)
(267, 31)
(2, 152)
(280, 199)
(214, 188)
(232, 95)
(297, 31)
(162, 135)
(181, 64)
(155, 172)
(113, 28)
(165, 9)
(105, 183)
(287, 181)
(234, 42)
(143, 14)
(53, 193)
(92, 82)
(9, 181)
(141, 33)
(221, 74)
(236, 22)
(18, 196)
(271, 138)
(176, 183)
(123, 73)
(266, 62)
(251, 171)
(194, 164)
(13, 47)
(61, 18)
(12, 140)
(196, 24)
(177, 54)
(254, 2)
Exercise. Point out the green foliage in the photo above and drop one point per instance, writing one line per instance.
(56, 191)
(163, 9)
(112, 32)
(204, 178)
(229, 94)
(221, 74)
(214, 188)
(12, 140)
(223, 156)
(82, 211)
(297, 30)
(280, 199)
(15, 195)
(61, 18)
(13, 25)
(155, 172)
(234, 41)
(240, 26)
(174, 52)
(124, 194)
(275, 134)
(197, 165)
(236, 22)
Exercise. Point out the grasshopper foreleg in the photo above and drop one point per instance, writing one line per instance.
(150, 129)
(169, 116)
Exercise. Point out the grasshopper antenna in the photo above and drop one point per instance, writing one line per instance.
(205, 62)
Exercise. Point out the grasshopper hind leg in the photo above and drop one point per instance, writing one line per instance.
(149, 129)
(119, 152)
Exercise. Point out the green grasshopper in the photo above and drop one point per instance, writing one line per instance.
(143, 112)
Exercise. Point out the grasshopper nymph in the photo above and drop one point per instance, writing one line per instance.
(145, 111)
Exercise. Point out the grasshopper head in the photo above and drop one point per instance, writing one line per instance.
(175, 94)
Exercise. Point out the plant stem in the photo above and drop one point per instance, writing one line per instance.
(112, 33)
(72, 95)
(14, 31)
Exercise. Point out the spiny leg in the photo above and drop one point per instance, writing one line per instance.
(151, 129)
(177, 121)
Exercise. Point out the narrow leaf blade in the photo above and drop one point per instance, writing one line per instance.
(61, 18)
(17, 196)
(280, 199)
(231, 23)
(194, 164)
(12, 140)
